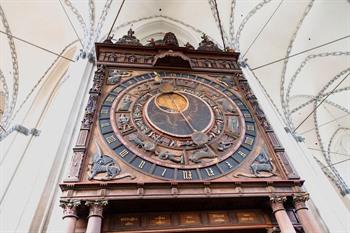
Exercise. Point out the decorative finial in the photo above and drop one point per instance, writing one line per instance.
(151, 42)
(131, 33)
(109, 39)
(205, 37)
(129, 39)
(170, 39)
(189, 46)
(157, 78)
(207, 45)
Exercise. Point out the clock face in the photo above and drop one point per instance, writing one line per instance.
(177, 126)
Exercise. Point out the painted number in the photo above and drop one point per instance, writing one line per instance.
(123, 153)
(142, 163)
(111, 139)
(209, 171)
(187, 175)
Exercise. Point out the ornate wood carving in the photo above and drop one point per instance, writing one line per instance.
(70, 208)
(277, 203)
(232, 151)
(208, 45)
(75, 166)
(129, 39)
(96, 207)
(300, 200)
(188, 220)
(287, 166)
(84, 134)
(146, 59)
(107, 165)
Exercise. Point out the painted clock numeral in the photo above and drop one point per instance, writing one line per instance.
(249, 140)
(111, 139)
(250, 127)
(241, 153)
(105, 124)
(164, 171)
(141, 164)
(105, 110)
(110, 99)
(123, 153)
(247, 115)
(187, 175)
(209, 172)
(228, 164)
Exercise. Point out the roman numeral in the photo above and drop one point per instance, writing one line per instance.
(241, 153)
(105, 124)
(142, 163)
(104, 110)
(249, 140)
(164, 171)
(250, 127)
(111, 139)
(228, 164)
(110, 99)
(247, 115)
(187, 175)
(123, 153)
(209, 171)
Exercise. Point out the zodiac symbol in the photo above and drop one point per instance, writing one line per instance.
(166, 155)
(103, 164)
(126, 102)
(204, 153)
(146, 145)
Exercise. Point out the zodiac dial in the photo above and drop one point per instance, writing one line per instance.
(177, 126)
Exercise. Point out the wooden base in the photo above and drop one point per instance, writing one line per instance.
(255, 229)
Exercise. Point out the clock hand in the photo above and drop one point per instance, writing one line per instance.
(199, 138)
(181, 113)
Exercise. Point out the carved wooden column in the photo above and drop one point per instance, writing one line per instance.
(70, 216)
(281, 215)
(95, 215)
(306, 219)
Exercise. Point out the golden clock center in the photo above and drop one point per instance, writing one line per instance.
(172, 102)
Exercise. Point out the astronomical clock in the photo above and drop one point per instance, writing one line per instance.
(173, 138)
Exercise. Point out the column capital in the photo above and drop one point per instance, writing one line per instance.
(277, 203)
(299, 200)
(70, 208)
(96, 207)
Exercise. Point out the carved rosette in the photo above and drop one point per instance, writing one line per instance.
(299, 201)
(277, 203)
(70, 208)
(96, 207)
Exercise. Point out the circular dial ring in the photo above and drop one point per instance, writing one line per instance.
(202, 154)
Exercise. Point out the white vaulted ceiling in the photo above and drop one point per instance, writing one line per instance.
(295, 86)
